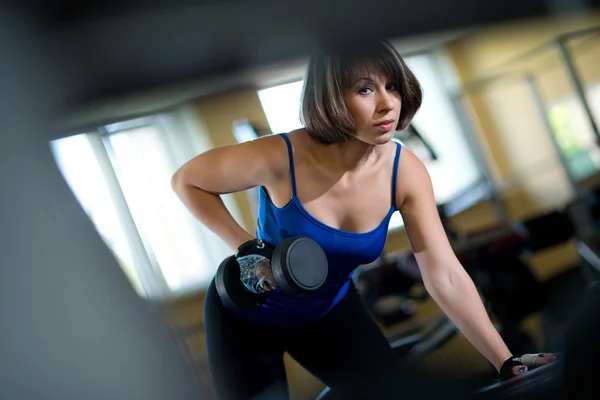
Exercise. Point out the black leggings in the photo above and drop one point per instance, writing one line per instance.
(346, 350)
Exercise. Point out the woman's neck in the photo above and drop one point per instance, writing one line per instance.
(348, 156)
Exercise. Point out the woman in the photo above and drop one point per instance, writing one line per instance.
(337, 181)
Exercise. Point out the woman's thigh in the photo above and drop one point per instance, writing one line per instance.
(347, 351)
(245, 360)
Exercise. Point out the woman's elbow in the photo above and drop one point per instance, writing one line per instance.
(178, 180)
(443, 282)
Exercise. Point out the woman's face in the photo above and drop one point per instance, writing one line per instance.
(374, 103)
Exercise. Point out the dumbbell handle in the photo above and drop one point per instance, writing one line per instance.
(298, 265)
(294, 277)
(249, 273)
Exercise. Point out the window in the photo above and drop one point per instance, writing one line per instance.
(121, 175)
(453, 171)
(77, 162)
(281, 105)
(573, 133)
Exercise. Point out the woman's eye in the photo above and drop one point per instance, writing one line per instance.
(391, 86)
(365, 90)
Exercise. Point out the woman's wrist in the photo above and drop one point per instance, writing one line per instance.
(501, 361)
(236, 237)
(240, 240)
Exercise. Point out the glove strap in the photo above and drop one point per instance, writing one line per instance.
(255, 246)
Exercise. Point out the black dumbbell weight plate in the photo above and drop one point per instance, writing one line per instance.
(231, 289)
(299, 265)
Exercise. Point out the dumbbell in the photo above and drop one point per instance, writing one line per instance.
(299, 266)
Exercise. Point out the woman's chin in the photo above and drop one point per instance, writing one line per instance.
(385, 137)
(378, 138)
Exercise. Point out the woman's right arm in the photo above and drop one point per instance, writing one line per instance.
(200, 182)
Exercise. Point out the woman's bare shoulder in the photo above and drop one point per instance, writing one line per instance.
(412, 177)
(274, 150)
(298, 137)
(300, 142)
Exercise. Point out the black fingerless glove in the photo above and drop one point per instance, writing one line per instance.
(248, 257)
(506, 371)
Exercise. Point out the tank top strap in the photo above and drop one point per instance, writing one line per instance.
(291, 160)
(395, 174)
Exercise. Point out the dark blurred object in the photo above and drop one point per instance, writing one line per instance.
(589, 251)
(133, 46)
(500, 271)
(547, 230)
(417, 144)
(72, 325)
(584, 213)
(479, 191)
(582, 349)
(391, 289)
(509, 289)
(593, 202)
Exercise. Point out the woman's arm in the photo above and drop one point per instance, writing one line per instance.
(200, 182)
(444, 277)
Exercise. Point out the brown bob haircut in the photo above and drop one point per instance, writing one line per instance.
(330, 74)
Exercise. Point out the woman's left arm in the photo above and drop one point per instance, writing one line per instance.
(444, 277)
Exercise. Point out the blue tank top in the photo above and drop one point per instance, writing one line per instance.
(345, 251)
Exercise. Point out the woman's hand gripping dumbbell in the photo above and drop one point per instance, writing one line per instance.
(297, 265)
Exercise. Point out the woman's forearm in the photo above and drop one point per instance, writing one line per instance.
(455, 293)
(210, 210)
